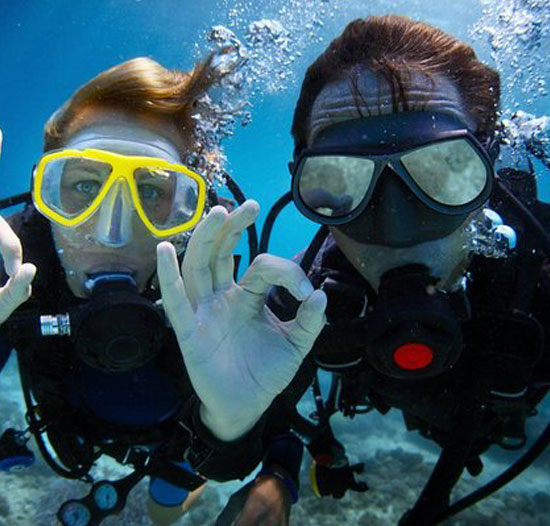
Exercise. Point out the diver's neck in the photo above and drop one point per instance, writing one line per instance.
(447, 258)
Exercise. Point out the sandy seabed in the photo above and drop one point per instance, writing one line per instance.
(397, 464)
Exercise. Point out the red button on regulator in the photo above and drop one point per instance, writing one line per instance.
(413, 356)
(324, 459)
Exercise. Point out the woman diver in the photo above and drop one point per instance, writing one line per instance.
(122, 352)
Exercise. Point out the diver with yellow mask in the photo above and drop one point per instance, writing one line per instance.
(121, 352)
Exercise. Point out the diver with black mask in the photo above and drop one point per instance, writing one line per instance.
(125, 350)
(395, 145)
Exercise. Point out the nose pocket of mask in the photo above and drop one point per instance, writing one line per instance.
(114, 217)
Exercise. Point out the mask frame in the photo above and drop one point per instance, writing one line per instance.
(123, 167)
(384, 139)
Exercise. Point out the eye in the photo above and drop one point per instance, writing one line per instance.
(88, 188)
(149, 192)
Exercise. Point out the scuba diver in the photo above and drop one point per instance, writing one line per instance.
(121, 352)
(435, 267)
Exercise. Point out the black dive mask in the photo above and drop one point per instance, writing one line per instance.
(116, 330)
(412, 331)
(393, 180)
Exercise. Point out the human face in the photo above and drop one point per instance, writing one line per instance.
(114, 238)
(443, 251)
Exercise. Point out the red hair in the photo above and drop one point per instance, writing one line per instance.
(140, 86)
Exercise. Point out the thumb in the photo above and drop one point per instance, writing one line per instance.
(17, 290)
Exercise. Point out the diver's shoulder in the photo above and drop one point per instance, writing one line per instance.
(525, 188)
(28, 222)
(543, 214)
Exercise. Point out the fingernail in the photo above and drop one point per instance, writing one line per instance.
(253, 207)
(33, 271)
(320, 299)
(306, 288)
(162, 248)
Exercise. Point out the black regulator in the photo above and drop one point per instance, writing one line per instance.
(414, 329)
(116, 330)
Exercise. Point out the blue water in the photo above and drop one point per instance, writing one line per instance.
(50, 47)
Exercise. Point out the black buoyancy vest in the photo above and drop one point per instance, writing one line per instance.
(497, 287)
(45, 363)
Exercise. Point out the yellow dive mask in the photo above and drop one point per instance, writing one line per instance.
(71, 184)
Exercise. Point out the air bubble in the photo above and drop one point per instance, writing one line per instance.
(526, 134)
(489, 237)
(519, 35)
(252, 57)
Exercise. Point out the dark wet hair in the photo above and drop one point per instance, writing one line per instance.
(397, 46)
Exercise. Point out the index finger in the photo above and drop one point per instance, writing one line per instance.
(196, 272)
(10, 248)
(174, 296)
(222, 257)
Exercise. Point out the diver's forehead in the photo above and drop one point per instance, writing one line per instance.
(126, 140)
(364, 93)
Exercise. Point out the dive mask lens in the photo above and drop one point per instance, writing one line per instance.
(449, 172)
(334, 185)
(168, 197)
(71, 184)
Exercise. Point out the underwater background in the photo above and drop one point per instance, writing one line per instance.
(50, 47)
